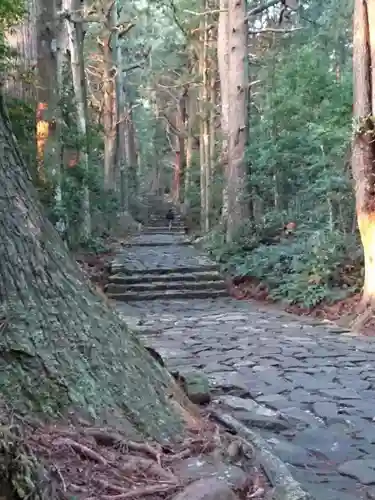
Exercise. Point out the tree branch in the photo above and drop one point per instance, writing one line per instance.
(273, 30)
(261, 8)
(176, 19)
(123, 29)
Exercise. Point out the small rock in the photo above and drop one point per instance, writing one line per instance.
(344, 393)
(274, 401)
(197, 387)
(325, 409)
(234, 450)
(303, 417)
(293, 454)
(199, 468)
(236, 403)
(207, 489)
(262, 421)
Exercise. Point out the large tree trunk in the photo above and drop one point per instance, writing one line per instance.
(238, 203)
(62, 347)
(363, 160)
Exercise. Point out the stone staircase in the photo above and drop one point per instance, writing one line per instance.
(161, 268)
(157, 225)
(159, 284)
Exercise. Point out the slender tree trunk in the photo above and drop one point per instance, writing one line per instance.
(181, 124)
(273, 129)
(47, 94)
(212, 114)
(238, 203)
(363, 159)
(53, 358)
(119, 118)
(204, 126)
(121, 161)
(75, 36)
(191, 112)
(223, 67)
(109, 113)
(131, 151)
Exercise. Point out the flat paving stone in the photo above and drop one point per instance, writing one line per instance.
(362, 470)
(315, 379)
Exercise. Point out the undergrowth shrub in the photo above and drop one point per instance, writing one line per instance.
(306, 268)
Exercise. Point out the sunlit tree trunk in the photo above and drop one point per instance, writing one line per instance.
(363, 155)
(238, 202)
(48, 148)
(76, 40)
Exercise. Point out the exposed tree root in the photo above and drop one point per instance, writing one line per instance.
(360, 321)
(142, 492)
(83, 450)
(61, 462)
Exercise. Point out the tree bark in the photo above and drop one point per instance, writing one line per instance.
(75, 36)
(191, 105)
(223, 67)
(131, 151)
(204, 125)
(109, 112)
(363, 153)
(62, 348)
(181, 125)
(238, 203)
(47, 93)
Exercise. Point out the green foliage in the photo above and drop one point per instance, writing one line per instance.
(22, 117)
(305, 268)
(299, 151)
(11, 12)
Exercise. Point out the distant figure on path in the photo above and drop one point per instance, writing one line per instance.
(170, 218)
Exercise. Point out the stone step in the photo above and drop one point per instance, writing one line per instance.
(118, 288)
(149, 278)
(116, 267)
(163, 229)
(168, 295)
(156, 244)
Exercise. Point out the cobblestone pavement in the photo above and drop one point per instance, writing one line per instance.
(137, 258)
(307, 388)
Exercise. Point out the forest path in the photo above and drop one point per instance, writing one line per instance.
(307, 388)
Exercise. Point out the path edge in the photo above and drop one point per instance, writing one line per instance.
(277, 472)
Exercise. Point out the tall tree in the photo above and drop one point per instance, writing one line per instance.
(363, 155)
(76, 40)
(47, 94)
(238, 203)
(223, 67)
(109, 88)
